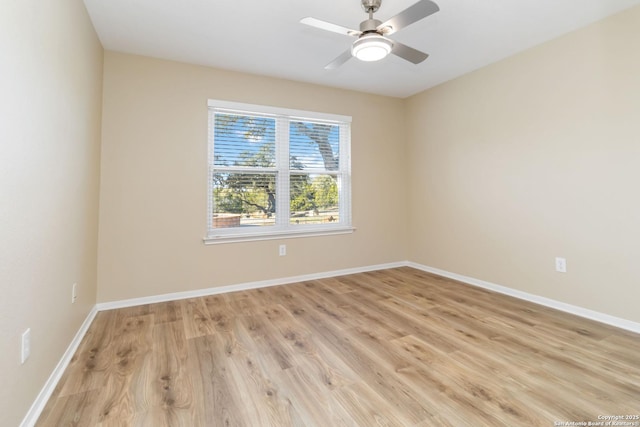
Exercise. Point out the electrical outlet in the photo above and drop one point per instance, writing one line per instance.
(25, 347)
(282, 251)
(561, 265)
(74, 293)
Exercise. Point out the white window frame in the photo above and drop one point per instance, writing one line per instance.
(282, 229)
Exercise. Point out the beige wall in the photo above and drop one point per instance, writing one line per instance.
(50, 108)
(154, 181)
(535, 157)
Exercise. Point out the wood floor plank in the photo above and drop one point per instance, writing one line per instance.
(72, 410)
(260, 392)
(315, 404)
(368, 408)
(239, 303)
(88, 367)
(266, 340)
(164, 385)
(170, 311)
(397, 347)
(335, 284)
(218, 403)
(196, 318)
(117, 402)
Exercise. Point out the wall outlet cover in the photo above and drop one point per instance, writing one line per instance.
(561, 265)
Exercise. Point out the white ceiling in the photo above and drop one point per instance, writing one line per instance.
(266, 37)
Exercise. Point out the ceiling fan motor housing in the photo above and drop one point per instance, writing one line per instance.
(371, 5)
(370, 26)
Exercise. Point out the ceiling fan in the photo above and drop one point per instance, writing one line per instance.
(372, 43)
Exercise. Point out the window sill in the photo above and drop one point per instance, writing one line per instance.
(275, 235)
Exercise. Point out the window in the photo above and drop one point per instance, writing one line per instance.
(277, 173)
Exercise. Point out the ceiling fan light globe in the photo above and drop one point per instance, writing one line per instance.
(371, 47)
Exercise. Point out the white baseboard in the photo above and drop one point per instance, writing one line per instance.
(44, 395)
(548, 302)
(241, 286)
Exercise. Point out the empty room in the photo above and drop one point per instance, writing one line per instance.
(338, 213)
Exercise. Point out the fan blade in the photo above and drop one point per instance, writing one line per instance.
(414, 13)
(344, 57)
(328, 26)
(408, 53)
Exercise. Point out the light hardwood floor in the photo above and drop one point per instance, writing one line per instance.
(397, 347)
